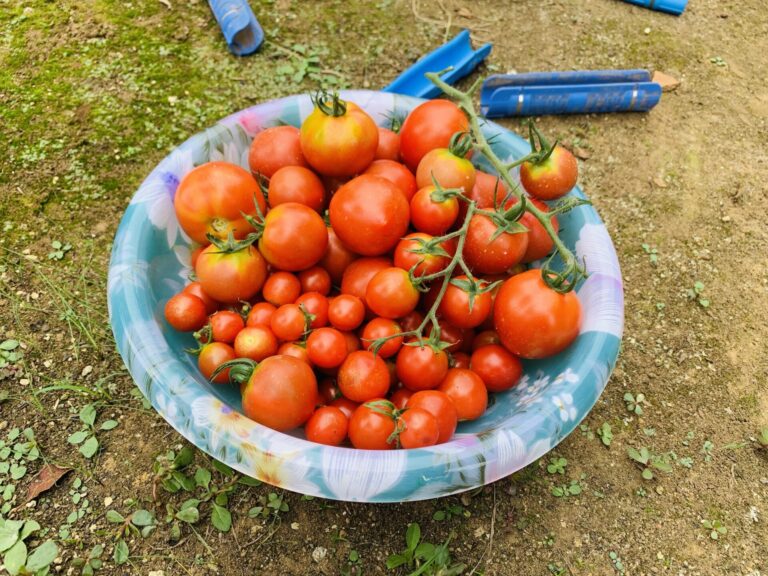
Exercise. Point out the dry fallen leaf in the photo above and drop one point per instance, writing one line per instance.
(660, 182)
(582, 153)
(668, 83)
(44, 480)
(464, 13)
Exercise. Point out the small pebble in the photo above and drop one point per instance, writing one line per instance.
(319, 554)
(87, 370)
(108, 501)
(647, 31)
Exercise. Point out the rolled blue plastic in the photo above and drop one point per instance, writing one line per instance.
(569, 99)
(569, 77)
(241, 29)
(456, 53)
(675, 7)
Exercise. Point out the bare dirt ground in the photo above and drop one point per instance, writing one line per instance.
(93, 94)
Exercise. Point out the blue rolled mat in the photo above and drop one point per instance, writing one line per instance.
(239, 25)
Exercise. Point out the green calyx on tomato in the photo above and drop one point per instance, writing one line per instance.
(337, 106)
(460, 144)
(240, 370)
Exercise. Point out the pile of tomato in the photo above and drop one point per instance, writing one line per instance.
(317, 276)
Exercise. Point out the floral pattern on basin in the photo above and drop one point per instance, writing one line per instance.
(150, 262)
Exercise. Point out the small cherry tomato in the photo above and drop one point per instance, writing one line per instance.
(372, 425)
(389, 145)
(485, 254)
(363, 376)
(417, 428)
(315, 304)
(231, 276)
(260, 313)
(498, 368)
(485, 338)
(396, 173)
(281, 288)
(328, 391)
(448, 168)
(337, 257)
(411, 321)
(296, 184)
(346, 312)
(553, 178)
(540, 243)
(345, 405)
(467, 391)
(211, 357)
(381, 328)
(406, 255)
(430, 125)
(441, 407)
(328, 425)
(294, 237)
(421, 367)
(225, 326)
(196, 289)
(295, 349)
(274, 148)
(185, 312)
(464, 305)
(315, 279)
(391, 294)
(433, 217)
(256, 343)
(400, 397)
(327, 347)
(460, 360)
(353, 342)
(288, 322)
(359, 273)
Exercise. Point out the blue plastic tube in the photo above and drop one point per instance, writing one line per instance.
(675, 7)
(238, 23)
(569, 99)
(457, 53)
(569, 77)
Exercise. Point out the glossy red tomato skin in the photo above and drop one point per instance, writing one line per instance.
(296, 350)
(211, 357)
(391, 294)
(418, 427)
(317, 305)
(498, 368)
(411, 321)
(396, 173)
(553, 178)
(363, 376)
(380, 328)
(337, 257)
(400, 397)
(196, 289)
(540, 244)
(425, 264)
(328, 425)
(486, 256)
(212, 198)
(339, 145)
(441, 407)
(421, 368)
(327, 391)
(389, 145)
(296, 184)
(371, 430)
(359, 273)
(315, 279)
(280, 393)
(281, 288)
(485, 338)
(185, 312)
(256, 343)
(231, 277)
(467, 391)
(534, 321)
(294, 238)
(460, 360)
(369, 214)
(432, 217)
(346, 312)
(449, 170)
(225, 325)
(288, 323)
(454, 306)
(345, 405)
(450, 334)
(260, 313)
(327, 347)
(430, 125)
(275, 148)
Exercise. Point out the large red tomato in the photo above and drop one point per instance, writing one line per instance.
(433, 217)
(280, 393)
(421, 367)
(296, 184)
(274, 148)
(369, 214)
(372, 425)
(363, 376)
(338, 138)
(455, 305)
(294, 237)
(450, 170)
(425, 264)
(430, 125)
(391, 294)
(553, 178)
(534, 321)
(231, 277)
(212, 198)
